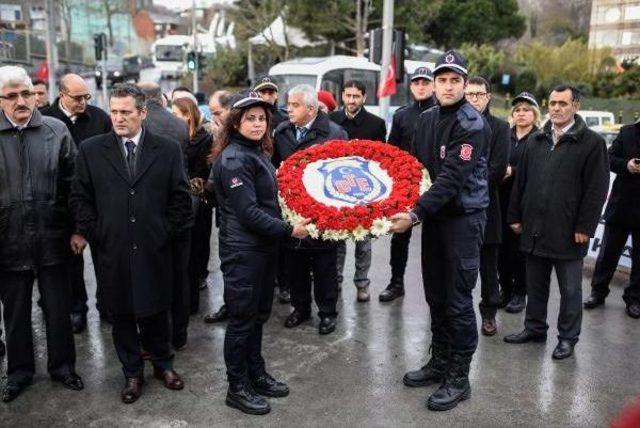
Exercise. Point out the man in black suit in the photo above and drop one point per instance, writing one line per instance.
(130, 197)
(83, 121)
(360, 124)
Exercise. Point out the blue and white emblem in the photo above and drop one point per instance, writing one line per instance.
(347, 181)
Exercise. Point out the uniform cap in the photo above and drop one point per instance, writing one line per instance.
(265, 82)
(451, 61)
(422, 73)
(525, 96)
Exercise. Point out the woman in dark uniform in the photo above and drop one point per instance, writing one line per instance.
(250, 230)
(525, 120)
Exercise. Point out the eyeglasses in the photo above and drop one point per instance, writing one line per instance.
(14, 95)
(78, 98)
(475, 94)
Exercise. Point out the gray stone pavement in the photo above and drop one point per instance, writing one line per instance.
(353, 377)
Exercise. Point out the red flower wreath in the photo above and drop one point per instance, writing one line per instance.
(409, 181)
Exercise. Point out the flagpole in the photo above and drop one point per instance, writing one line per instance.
(387, 40)
(50, 44)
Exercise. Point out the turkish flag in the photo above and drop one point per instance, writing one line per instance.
(43, 71)
(388, 87)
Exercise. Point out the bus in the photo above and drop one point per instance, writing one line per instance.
(330, 73)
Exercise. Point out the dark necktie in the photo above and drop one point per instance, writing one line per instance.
(131, 156)
(302, 132)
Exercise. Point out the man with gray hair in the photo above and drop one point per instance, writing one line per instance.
(307, 126)
(36, 243)
(159, 120)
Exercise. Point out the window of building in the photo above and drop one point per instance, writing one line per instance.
(631, 38)
(606, 38)
(632, 12)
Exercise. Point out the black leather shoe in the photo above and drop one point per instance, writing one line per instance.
(78, 322)
(516, 304)
(296, 318)
(431, 373)
(456, 386)
(3, 349)
(525, 336)
(219, 316)
(391, 293)
(132, 390)
(242, 397)
(504, 300)
(593, 302)
(327, 325)
(70, 381)
(633, 309)
(564, 349)
(266, 385)
(284, 296)
(13, 389)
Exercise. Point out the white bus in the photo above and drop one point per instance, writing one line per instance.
(330, 73)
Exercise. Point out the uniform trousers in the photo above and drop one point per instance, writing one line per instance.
(249, 281)
(450, 263)
(399, 256)
(511, 265)
(16, 289)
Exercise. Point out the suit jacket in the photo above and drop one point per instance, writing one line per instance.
(131, 221)
(364, 126)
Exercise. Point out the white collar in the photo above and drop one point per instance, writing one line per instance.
(16, 125)
(566, 128)
(308, 124)
(72, 117)
(135, 139)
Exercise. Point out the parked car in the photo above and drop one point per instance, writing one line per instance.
(120, 69)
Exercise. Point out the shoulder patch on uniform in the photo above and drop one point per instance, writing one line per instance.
(466, 151)
(235, 182)
(469, 118)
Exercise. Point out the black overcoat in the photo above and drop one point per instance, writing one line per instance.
(132, 221)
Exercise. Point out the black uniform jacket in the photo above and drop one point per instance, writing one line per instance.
(364, 126)
(36, 168)
(322, 129)
(499, 147)
(404, 123)
(132, 220)
(94, 121)
(559, 191)
(452, 143)
(623, 209)
(247, 195)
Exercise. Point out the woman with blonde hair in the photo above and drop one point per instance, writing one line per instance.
(524, 120)
(198, 168)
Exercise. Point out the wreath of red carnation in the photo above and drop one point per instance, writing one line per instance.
(408, 177)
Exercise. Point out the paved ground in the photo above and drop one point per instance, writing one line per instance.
(353, 377)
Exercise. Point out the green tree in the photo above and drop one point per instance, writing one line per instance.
(476, 21)
(484, 60)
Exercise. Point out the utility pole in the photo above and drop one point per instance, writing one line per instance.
(52, 51)
(195, 46)
(387, 41)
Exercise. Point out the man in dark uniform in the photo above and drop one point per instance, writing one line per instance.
(402, 127)
(451, 140)
(83, 121)
(268, 90)
(478, 94)
(360, 124)
(622, 218)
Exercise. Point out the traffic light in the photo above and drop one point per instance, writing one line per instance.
(191, 61)
(100, 45)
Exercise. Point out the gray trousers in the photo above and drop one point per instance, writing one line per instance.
(569, 274)
(363, 262)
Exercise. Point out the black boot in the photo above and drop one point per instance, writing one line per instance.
(242, 396)
(3, 349)
(455, 387)
(434, 371)
(219, 316)
(394, 290)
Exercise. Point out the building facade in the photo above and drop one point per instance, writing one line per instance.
(616, 24)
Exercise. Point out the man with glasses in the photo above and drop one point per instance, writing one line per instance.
(478, 94)
(83, 121)
(36, 226)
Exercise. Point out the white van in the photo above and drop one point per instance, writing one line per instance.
(597, 118)
(330, 73)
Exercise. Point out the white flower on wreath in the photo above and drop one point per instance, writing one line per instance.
(380, 227)
(313, 230)
(425, 183)
(360, 233)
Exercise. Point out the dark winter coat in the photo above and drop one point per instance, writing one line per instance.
(94, 121)
(160, 121)
(196, 153)
(559, 191)
(247, 197)
(404, 123)
(132, 221)
(322, 129)
(36, 168)
(364, 126)
(499, 147)
(623, 208)
(515, 153)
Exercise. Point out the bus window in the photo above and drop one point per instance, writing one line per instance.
(332, 82)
